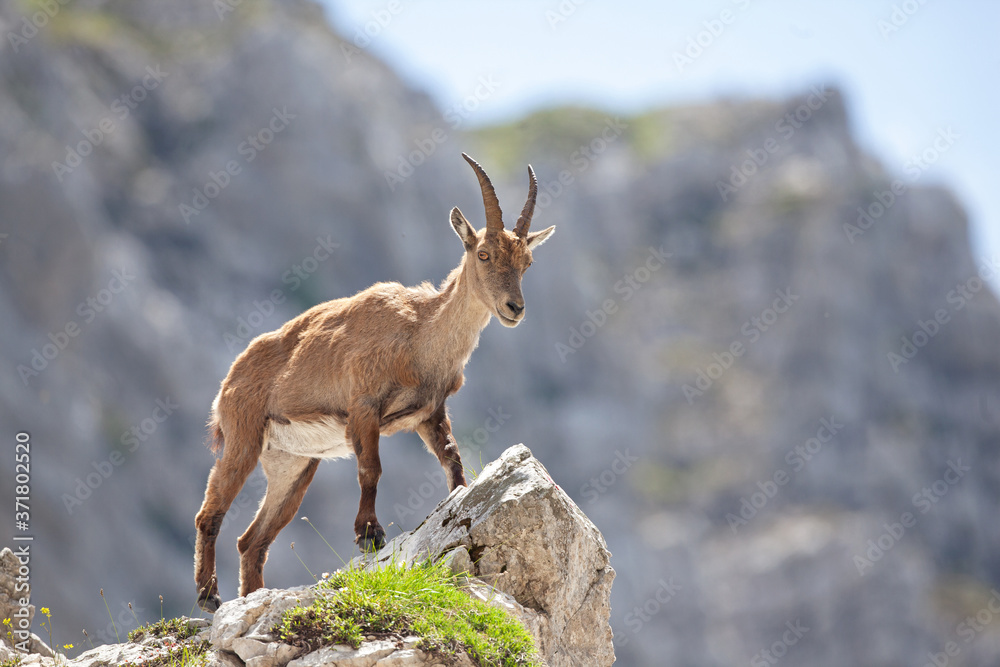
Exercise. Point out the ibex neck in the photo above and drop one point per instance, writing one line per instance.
(459, 316)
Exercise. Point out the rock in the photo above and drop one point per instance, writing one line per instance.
(525, 548)
(340, 655)
(275, 654)
(404, 658)
(223, 659)
(113, 655)
(40, 647)
(257, 653)
(254, 614)
(524, 545)
(9, 593)
(523, 535)
(12, 590)
(459, 561)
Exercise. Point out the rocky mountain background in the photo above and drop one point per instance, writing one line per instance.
(706, 366)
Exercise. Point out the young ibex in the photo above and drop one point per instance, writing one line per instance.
(331, 381)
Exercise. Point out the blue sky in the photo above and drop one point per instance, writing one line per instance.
(936, 66)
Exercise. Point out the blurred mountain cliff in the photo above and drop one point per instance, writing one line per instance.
(763, 364)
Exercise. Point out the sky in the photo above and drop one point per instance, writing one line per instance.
(908, 68)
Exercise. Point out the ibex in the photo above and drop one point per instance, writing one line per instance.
(331, 381)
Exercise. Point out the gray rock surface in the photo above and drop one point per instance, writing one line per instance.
(15, 587)
(514, 528)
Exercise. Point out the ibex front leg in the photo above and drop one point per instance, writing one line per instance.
(364, 428)
(436, 434)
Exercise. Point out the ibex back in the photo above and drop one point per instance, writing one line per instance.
(331, 381)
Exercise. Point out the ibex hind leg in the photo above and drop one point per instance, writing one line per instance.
(288, 477)
(224, 483)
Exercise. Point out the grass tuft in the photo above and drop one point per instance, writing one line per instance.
(177, 628)
(396, 601)
(170, 644)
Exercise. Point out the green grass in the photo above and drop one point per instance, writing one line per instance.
(177, 649)
(178, 628)
(396, 601)
(178, 655)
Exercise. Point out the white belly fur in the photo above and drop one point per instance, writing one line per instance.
(323, 439)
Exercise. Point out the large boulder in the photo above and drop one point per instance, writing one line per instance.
(514, 529)
(525, 546)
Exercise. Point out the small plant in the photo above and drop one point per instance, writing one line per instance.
(396, 601)
(117, 638)
(171, 642)
(8, 630)
(176, 655)
(177, 628)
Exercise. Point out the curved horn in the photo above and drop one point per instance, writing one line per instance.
(494, 217)
(524, 221)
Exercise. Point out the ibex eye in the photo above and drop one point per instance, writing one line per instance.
(483, 255)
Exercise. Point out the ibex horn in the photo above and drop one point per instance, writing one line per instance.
(494, 217)
(524, 222)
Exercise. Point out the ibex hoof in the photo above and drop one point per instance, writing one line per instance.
(373, 540)
(210, 603)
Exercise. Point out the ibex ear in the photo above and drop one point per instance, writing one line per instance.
(465, 231)
(536, 239)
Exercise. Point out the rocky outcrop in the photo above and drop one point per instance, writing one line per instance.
(522, 544)
(525, 546)
(517, 532)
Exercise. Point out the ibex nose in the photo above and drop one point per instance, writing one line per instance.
(516, 308)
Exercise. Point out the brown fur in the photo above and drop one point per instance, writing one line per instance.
(335, 378)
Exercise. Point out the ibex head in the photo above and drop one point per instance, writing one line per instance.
(497, 258)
